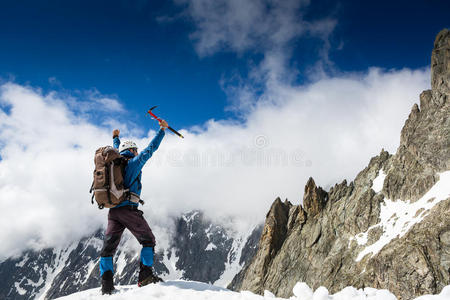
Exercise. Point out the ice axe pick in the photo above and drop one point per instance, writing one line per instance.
(159, 120)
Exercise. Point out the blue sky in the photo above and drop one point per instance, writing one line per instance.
(142, 52)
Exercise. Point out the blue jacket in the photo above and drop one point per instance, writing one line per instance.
(135, 164)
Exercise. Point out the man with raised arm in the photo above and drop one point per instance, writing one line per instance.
(127, 215)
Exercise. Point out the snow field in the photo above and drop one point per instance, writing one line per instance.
(398, 217)
(190, 290)
(377, 184)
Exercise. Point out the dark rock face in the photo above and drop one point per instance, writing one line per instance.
(202, 251)
(27, 277)
(337, 240)
(80, 258)
(249, 251)
(29, 280)
(251, 246)
(202, 248)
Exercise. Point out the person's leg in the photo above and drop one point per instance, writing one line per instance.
(135, 222)
(112, 238)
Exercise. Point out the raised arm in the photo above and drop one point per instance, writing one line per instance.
(136, 163)
(116, 140)
(145, 154)
(153, 146)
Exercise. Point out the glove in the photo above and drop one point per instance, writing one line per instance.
(163, 124)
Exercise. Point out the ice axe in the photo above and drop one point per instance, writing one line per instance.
(159, 120)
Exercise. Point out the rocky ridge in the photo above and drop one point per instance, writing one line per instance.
(389, 228)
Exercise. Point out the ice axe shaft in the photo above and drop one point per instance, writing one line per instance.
(159, 120)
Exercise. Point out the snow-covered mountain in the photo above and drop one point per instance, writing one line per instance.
(197, 249)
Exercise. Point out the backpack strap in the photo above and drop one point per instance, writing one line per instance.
(136, 179)
(90, 192)
(108, 180)
(123, 171)
(133, 182)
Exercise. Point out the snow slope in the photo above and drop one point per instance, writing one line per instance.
(191, 290)
(398, 217)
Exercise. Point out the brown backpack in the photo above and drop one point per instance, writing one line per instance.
(108, 186)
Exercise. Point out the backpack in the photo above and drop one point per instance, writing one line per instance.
(109, 172)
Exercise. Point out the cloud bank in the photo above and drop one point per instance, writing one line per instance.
(327, 130)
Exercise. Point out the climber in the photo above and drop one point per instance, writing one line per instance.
(127, 215)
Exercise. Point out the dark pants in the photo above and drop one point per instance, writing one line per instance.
(130, 218)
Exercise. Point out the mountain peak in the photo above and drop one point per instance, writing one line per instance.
(314, 198)
(440, 63)
(387, 228)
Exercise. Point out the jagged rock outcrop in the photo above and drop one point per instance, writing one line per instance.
(386, 229)
(272, 237)
(314, 198)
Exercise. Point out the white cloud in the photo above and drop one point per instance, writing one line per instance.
(103, 103)
(328, 130)
(95, 101)
(44, 171)
(261, 25)
(266, 27)
(109, 104)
